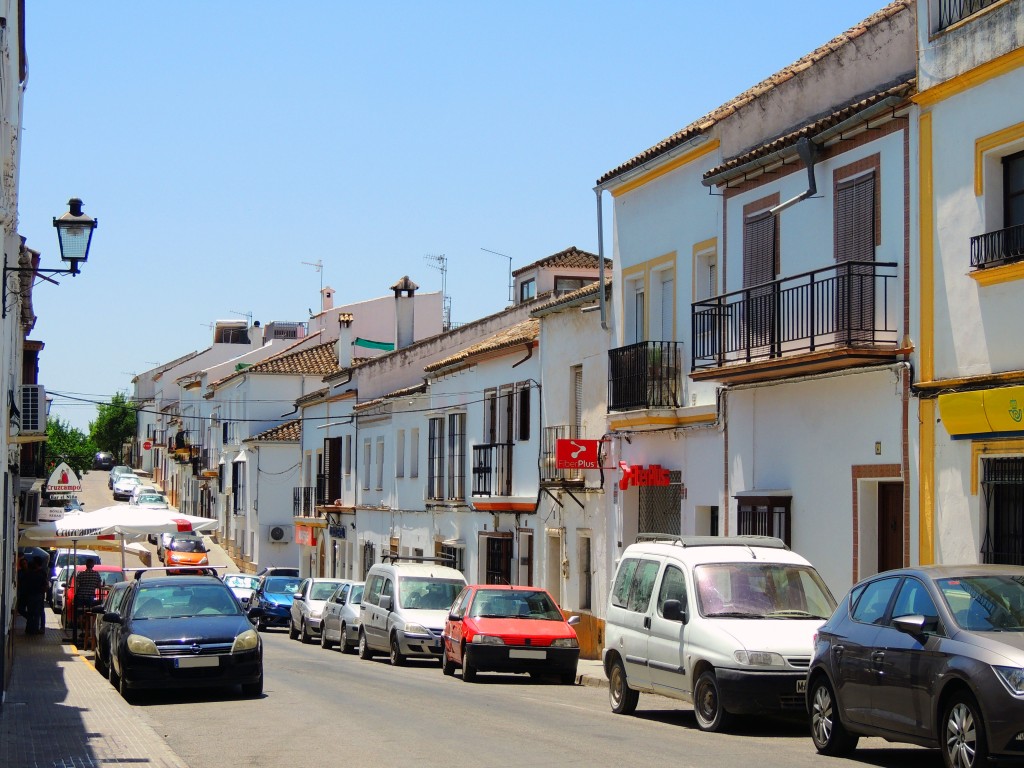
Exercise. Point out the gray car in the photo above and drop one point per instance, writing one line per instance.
(340, 622)
(933, 656)
(307, 607)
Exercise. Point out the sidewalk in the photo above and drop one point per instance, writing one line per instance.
(59, 712)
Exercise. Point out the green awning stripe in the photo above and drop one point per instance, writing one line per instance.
(384, 345)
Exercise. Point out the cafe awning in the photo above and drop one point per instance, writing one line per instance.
(983, 412)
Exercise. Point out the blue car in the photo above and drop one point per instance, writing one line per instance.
(271, 603)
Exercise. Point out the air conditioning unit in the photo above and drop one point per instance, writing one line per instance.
(279, 534)
(33, 409)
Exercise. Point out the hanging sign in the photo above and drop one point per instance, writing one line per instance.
(304, 534)
(63, 482)
(638, 475)
(577, 454)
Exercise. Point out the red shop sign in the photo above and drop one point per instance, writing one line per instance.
(576, 454)
(304, 534)
(638, 475)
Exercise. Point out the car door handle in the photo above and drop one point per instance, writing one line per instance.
(837, 651)
(647, 622)
(877, 657)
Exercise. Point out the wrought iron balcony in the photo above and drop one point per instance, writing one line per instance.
(549, 472)
(492, 469)
(999, 247)
(304, 500)
(952, 11)
(851, 304)
(645, 375)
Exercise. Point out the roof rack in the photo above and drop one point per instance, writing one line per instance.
(769, 542)
(201, 570)
(393, 557)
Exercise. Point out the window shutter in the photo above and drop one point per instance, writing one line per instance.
(759, 250)
(577, 387)
(855, 219)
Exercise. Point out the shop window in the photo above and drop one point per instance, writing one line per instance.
(764, 516)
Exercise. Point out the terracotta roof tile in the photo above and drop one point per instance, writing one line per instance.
(520, 333)
(413, 390)
(290, 431)
(568, 298)
(706, 122)
(571, 258)
(319, 360)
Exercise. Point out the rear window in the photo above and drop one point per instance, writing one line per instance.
(323, 589)
(282, 585)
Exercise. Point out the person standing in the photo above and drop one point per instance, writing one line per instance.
(36, 581)
(87, 587)
(22, 575)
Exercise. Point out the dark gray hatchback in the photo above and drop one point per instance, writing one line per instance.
(931, 656)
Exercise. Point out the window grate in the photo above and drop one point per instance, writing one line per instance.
(659, 506)
(1003, 488)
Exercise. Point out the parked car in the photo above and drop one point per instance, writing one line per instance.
(308, 606)
(64, 557)
(103, 460)
(273, 570)
(186, 550)
(163, 540)
(340, 622)
(726, 623)
(151, 501)
(498, 628)
(139, 490)
(124, 485)
(932, 655)
(57, 588)
(404, 607)
(271, 603)
(112, 604)
(109, 575)
(182, 632)
(242, 585)
(116, 472)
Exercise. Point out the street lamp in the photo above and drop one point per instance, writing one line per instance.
(74, 234)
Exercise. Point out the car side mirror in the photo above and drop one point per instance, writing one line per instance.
(112, 618)
(673, 610)
(386, 602)
(297, 596)
(572, 621)
(916, 624)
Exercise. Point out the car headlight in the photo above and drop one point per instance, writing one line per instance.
(565, 642)
(488, 640)
(315, 613)
(1013, 679)
(759, 659)
(246, 641)
(416, 629)
(204, 560)
(142, 646)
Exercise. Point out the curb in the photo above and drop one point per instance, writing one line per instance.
(591, 681)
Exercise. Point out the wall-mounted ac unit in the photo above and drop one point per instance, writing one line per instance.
(279, 534)
(33, 409)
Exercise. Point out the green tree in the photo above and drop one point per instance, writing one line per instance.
(114, 425)
(65, 443)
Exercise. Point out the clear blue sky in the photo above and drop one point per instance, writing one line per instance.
(222, 144)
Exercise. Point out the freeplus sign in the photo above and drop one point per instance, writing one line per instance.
(63, 482)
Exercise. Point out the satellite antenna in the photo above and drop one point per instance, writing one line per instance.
(511, 283)
(318, 265)
(440, 263)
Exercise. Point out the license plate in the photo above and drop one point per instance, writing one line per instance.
(191, 662)
(515, 653)
(801, 686)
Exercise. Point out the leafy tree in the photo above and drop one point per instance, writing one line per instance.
(115, 425)
(65, 443)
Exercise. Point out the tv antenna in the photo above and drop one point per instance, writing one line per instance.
(511, 283)
(440, 263)
(318, 265)
(246, 315)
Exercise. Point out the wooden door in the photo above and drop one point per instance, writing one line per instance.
(890, 526)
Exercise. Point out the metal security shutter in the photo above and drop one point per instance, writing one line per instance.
(659, 506)
(1002, 486)
(855, 242)
(759, 235)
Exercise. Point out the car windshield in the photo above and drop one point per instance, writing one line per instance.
(151, 498)
(427, 594)
(282, 585)
(762, 590)
(323, 589)
(189, 544)
(172, 602)
(506, 603)
(241, 582)
(985, 603)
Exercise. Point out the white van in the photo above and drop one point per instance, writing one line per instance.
(726, 623)
(405, 605)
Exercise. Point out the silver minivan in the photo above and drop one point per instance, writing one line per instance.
(726, 623)
(404, 608)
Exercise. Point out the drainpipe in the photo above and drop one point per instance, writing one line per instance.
(600, 262)
(807, 152)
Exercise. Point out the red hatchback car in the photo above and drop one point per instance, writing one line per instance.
(497, 628)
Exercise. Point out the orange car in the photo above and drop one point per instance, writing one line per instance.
(187, 550)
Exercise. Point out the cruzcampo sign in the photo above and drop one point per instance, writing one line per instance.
(63, 483)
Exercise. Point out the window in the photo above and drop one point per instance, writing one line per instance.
(914, 600)
(497, 559)
(523, 411)
(332, 462)
(855, 239)
(667, 305)
(586, 572)
(400, 453)
(414, 452)
(660, 506)
(760, 265)
(673, 587)
(380, 464)
(527, 290)
(636, 317)
(348, 454)
(490, 415)
(456, 456)
(1002, 485)
(568, 284)
(366, 463)
(764, 516)
(435, 458)
(454, 556)
(576, 392)
(870, 607)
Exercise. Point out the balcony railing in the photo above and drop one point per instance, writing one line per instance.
(952, 11)
(305, 499)
(999, 247)
(849, 304)
(645, 375)
(492, 469)
(549, 473)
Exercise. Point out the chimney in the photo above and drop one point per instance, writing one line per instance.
(405, 290)
(344, 343)
(326, 298)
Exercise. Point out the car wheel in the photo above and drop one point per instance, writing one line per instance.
(122, 688)
(364, 648)
(447, 665)
(345, 645)
(828, 733)
(397, 659)
(99, 663)
(963, 733)
(293, 631)
(261, 626)
(253, 690)
(707, 703)
(304, 633)
(622, 698)
(468, 670)
(324, 642)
